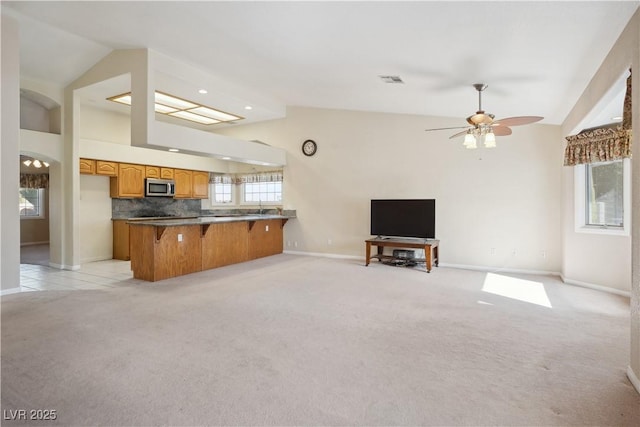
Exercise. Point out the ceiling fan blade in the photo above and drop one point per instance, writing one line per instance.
(456, 127)
(518, 121)
(501, 130)
(459, 133)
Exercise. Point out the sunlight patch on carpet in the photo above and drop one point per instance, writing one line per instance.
(518, 289)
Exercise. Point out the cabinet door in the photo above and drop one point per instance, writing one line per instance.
(88, 166)
(130, 180)
(166, 173)
(184, 183)
(200, 185)
(152, 171)
(121, 239)
(106, 168)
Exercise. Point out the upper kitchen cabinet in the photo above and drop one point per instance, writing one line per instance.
(130, 181)
(166, 173)
(106, 168)
(87, 166)
(184, 183)
(200, 185)
(152, 171)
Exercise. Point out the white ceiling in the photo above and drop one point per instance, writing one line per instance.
(536, 57)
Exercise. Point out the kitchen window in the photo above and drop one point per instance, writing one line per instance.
(269, 192)
(221, 194)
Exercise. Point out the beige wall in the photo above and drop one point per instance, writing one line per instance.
(508, 198)
(36, 230)
(101, 125)
(96, 232)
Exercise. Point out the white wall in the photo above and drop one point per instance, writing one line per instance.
(9, 155)
(102, 125)
(33, 116)
(504, 198)
(95, 228)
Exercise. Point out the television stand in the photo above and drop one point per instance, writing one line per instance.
(430, 247)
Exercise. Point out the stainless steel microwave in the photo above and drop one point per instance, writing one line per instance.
(159, 187)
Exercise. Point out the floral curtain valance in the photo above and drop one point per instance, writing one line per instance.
(598, 145)
(267, 176)
(602, 144)
(242, 178)
(220, 178)
(34, 180)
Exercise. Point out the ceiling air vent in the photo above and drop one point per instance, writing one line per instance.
(392, 79)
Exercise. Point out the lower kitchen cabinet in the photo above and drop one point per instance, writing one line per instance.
(121, 239)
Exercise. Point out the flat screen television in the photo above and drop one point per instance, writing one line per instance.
(404, 218)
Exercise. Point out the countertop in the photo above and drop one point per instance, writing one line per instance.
(202, 220)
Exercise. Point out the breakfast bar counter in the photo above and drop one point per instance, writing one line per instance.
(164, 248)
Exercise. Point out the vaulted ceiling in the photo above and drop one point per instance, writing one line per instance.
(536, 57)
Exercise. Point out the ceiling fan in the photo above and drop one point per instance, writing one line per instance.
(482, 125)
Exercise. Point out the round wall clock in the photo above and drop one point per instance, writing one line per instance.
(309, 147)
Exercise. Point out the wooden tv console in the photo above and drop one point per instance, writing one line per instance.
(430, 247)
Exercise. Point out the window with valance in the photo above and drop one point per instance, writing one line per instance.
(602, 144)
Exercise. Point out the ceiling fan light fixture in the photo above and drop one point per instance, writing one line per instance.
(470, 141)
(490, 140)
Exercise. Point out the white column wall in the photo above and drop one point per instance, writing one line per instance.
(9, 156)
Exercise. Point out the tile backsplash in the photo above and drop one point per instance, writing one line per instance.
(154, 206)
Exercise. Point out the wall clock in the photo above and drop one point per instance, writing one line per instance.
(309, 147)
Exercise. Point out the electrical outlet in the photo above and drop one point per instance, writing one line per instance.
(543, 254)
(288, 243)
(266, 228)
(179, 237)
(492, 251)
(295, 244)
(329, 241)
(514, 252)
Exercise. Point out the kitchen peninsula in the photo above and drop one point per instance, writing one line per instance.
(166, 248)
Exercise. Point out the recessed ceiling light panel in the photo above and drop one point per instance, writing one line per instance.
(194, 117)
(181, 108)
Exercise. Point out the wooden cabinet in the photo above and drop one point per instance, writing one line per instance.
(184, 183)
(106, 168)
(130, 181)
(87, 166)
(121, 239)
(265, 238)
(166, 173)
(152, 172)
(162, 252)
(224, 244)
(200, 188)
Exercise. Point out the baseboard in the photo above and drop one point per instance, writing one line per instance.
(501, 269)
(63, 266)
(634, 379)
(9, 291)
(596, 287)
(325, 255)
(95, 258)
(34, 243)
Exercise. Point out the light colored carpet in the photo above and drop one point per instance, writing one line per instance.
(292, 340)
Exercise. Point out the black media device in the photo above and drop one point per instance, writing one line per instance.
(404, 218)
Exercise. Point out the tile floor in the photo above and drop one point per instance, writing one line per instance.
(93, 275)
